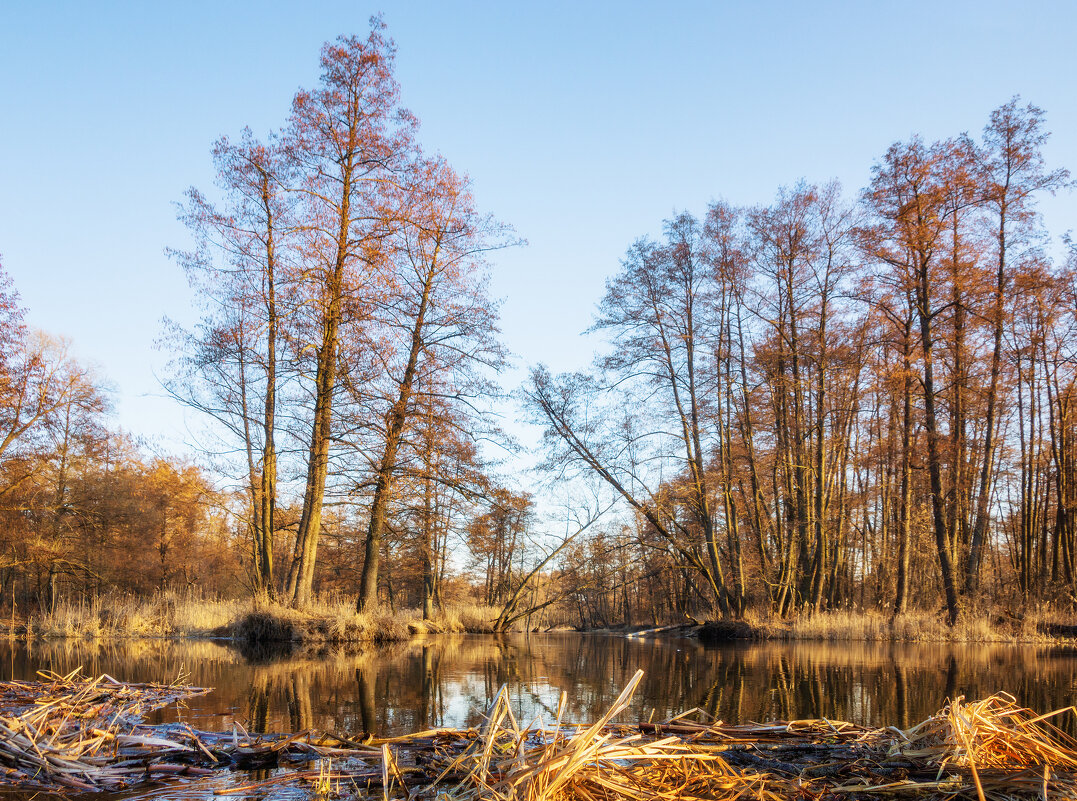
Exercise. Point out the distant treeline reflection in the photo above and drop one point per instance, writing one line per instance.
(449, 681)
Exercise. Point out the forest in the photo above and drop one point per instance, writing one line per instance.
(861, 401)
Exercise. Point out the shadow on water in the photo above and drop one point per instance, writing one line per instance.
(449, 681)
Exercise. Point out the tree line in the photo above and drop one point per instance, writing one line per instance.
(348, 347)
(819, 403)
(81, 506)
(828, 402)
(344, 364)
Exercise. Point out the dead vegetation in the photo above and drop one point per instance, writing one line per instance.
(179, 616)
(339, 623)
(163, 614)
(77, 734)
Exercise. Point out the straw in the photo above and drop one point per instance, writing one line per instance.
(52, 733)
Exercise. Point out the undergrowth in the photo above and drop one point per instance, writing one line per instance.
(974, 625)
(172, 615)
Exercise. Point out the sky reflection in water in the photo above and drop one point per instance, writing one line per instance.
(449, 681)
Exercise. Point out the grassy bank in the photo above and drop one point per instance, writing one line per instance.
(1035, 626)
(1038, 626)
(334, 620)
(175, 616)
(339, 623)
(108, 617)
(918, 626)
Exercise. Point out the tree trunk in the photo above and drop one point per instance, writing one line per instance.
(301, 576)
(934, 459)
(398, 414)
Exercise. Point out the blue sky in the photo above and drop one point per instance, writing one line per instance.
(583, 124)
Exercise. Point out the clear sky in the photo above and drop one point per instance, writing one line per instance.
(583, 124)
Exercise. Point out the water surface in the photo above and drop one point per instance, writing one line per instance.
(450, 680)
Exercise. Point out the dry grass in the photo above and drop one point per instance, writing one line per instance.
(161, 615)
(329, 619)
(917, 626)
(79, 734)
(464, 617)
(272, 623)
(334, 619)
(338, 622)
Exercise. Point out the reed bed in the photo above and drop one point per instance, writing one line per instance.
(71, 733)
(163, 614)
(327, 622)
(976, 625)
(331, 619)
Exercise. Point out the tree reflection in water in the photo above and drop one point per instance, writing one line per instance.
(449, 681)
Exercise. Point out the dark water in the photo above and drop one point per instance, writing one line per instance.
(449, 681)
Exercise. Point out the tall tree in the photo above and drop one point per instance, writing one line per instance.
(229, 366)
(1012, 172)
(658, 313)
(440, 324)
(908, 193)
(347, 141)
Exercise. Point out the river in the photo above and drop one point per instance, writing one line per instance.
(449, 680)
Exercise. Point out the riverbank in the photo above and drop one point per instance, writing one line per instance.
(918, 626)
(69, 733)
(1039, 627)
(177, 617)
(341, 624)
(332, 621)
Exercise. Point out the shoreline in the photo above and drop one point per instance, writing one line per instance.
(327, 623)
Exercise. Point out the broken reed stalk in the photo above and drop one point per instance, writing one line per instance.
(52, 732)
(86, 734)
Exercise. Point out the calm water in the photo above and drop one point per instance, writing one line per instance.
(449, 681)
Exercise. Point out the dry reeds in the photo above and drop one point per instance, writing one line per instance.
(163, 614)
(988, 749)
(999, 745)
(82, 734)
(166, 614)
(338, 622)
(70, 731)
(510, 763)
(976, 625)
